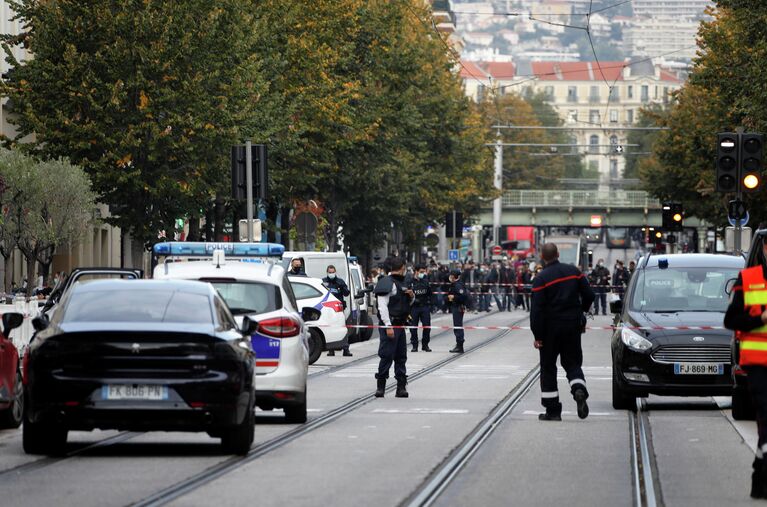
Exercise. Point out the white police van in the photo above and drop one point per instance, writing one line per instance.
(250, 280)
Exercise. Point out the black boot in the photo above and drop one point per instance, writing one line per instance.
(553, 413)
(401, 391)
(331, 353)
(458, 349)
(425, 348)
(580, 400)
(381, 387)
(347, 353)
(415, 348)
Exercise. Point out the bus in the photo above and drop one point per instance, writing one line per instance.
(617, 237)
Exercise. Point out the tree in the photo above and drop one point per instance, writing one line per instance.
(146, 95)
(548, 116)
(644, 139)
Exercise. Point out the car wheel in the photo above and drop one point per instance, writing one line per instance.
(239, 439)
(742, 408)
(296, 414)
(13, 415)
(621, 399)
(43, 438)
(316, 345)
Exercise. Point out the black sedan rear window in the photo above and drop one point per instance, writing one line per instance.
(249, 297)
(138, 306)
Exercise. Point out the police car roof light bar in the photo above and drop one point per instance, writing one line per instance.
(206, 249)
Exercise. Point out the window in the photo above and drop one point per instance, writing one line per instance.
(572, 94)
(146, 306)
(630, 116)
(549, 92)
(594, 144)
(572, 116)
(289, 293)
(665, 94)
(614, 116)
(225, 320)
(682, 289)
(645, 93)
(656, 93)
(631, 92)
(248, 297)
(574, 142)
(613, 141)
(614, 94)
(594, 116)
(613, 169)
(304, 291)
(594, 94)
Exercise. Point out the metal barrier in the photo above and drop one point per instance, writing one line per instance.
(579, 199)
(22, 335)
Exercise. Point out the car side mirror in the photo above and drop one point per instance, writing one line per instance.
(11, 321)
(38, 323)
(729, 285)
(248, 326)
(310, 313)
(616, 306)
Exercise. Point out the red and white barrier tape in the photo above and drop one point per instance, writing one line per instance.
(526, 328)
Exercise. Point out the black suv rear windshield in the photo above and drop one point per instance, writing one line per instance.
(682, 290)
(249, 297)
(138, 306)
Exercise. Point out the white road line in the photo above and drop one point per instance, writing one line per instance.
(420, 411)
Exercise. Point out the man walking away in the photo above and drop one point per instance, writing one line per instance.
(561, 295)
(337, 286)
(421, 309)
(600, 279)
(393, 310)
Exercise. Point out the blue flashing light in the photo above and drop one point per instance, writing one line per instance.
(204, 249)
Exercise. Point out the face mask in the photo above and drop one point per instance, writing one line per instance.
(331, 275)
(601, 264)
(421, 276)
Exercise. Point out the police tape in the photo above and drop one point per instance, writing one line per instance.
(523, 328)
(521, 285)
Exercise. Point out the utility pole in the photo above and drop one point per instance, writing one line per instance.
(739, 197)
(249, 188)
(498, 183)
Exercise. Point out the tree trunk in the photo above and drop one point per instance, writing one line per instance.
(219, 218)
(331, 233)
(272, 211)
(285, 226)
(209, 219)
(45, 269)
(8, 272)
(31, 278)
(194, 229)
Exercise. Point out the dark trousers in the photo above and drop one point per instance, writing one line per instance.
(757, 386)
(392, 350)
(564, 341)
(423, 315)
(508, 297)
(457, 312)
(601, 298)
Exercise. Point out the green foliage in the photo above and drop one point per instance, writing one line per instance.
(648, 117)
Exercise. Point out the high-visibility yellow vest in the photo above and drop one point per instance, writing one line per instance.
(753, 344)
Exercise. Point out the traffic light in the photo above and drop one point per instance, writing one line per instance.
(673, 216)
(751, 147)
(454, 230)
(260, 172)
(727, 151)
(656, 237)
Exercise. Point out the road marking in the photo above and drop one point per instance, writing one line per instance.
(420, 411)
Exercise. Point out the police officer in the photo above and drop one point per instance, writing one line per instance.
(561, 295)
(393, 310)
(421, 309)
(297, 267)
(457, 299)
(340, 290)
(600, 279)
(747, 316)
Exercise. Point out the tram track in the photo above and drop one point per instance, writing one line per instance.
(647, 492)
(210, 474)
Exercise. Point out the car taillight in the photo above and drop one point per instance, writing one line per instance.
(336, 306)
(279, 327)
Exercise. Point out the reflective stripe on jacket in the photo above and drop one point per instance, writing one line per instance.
(753, 343)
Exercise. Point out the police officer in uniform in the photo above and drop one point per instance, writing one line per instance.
(393, 310)
(457, 299)
(561, 296)
(340, 290)
(747, 316)
(421, 309)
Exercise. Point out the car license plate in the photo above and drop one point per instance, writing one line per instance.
(134, 392)
(698, 368)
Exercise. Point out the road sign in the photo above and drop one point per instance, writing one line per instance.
(743, 221)
(497, 250)
(736, 210)
(452, 255)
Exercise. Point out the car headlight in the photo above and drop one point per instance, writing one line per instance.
(634, 340)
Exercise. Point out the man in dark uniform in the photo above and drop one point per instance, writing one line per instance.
(561, 295)
(297, 267)
(600, 279)
(457, 299)
(393, 310)
(340, 290)
(421, 309)
(747, 316)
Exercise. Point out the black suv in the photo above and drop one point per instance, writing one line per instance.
(668, 337)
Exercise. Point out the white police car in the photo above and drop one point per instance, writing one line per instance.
(329, 331)
(246, 276)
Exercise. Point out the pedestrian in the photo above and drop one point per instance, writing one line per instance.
(297, 267)
(469, 278)
(337, 286)
(458, 298)
(421, 310)
(493, 279)
(600, 280)
(484, 289)
(524, 280)
(393, 310)
(620, 278)
(507, 279)
(561, 295)
(632, 268)
(747, 316)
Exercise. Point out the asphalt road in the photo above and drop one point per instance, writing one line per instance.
(383, 450)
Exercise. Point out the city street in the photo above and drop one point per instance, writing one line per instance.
(391, 451)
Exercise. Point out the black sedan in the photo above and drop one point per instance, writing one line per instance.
(669, 338)
(144, 355)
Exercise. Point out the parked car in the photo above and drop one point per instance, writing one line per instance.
(329, 331)
(84, 275)
(144, 355)
(11, 387)
(653, 352)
